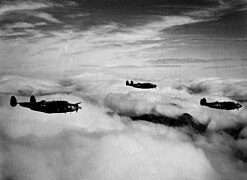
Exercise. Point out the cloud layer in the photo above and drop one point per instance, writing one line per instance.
(102, 142)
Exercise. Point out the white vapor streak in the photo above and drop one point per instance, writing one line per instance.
(23, 6)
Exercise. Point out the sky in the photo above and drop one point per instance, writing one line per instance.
(85, 50)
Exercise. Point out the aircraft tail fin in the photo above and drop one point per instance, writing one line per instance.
(32, 99)
(203, 101)
(13, 101)
(131, 83)
(127, 83)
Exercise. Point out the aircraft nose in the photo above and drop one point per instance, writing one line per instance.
(239, 105)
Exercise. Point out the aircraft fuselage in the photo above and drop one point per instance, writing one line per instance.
(49, 106)
(224, 105)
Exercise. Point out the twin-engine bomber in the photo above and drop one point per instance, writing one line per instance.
(47, 106)
(226, 105)
(141, 85)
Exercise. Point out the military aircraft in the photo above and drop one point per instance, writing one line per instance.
(226, 105)
(141, 85)
(46, 106)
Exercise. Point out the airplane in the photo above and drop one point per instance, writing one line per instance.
(47, 106)
(141, 85)
(226, 105)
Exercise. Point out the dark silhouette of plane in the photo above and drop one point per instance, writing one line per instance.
(226, 105)
(46, 106)
(141, 85)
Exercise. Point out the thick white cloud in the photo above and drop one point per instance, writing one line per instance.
(36, 146)
(96, 144)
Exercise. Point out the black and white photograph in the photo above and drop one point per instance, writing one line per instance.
(123, 89)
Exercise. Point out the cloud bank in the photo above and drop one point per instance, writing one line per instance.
(102, 142)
